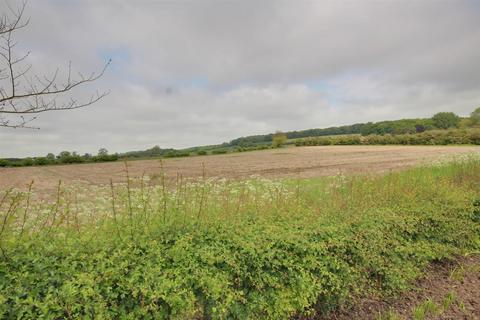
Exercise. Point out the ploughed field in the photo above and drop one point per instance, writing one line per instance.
(302, 162)
(327, 246)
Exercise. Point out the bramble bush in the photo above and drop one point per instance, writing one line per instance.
(219, 249)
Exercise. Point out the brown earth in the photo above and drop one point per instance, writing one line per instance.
(302, 162)
(450, 290)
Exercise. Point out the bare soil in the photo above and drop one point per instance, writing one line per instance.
(457, 280)
(302, 162)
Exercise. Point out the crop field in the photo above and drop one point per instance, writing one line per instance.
(218, 248)
(270, 160)
(304, 162)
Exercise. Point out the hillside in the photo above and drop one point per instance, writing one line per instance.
(403, 129)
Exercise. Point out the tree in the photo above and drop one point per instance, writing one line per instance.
(445, 120)
(475, 117)
(40, 161)
(419, 128)
(24, 95)
(64, 154)
(50, 157)
(279, 139)
(102, 152)
(104, 156)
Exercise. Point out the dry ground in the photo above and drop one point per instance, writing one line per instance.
(300, 162)
(448, 290)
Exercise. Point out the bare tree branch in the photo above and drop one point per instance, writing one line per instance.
(8, 25)
(23, 95)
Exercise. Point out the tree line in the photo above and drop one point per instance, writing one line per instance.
(64, 157)
(443, 128)
(441, 120)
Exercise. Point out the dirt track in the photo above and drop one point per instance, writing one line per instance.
(288, 162)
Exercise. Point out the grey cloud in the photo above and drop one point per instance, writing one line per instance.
(200, 72)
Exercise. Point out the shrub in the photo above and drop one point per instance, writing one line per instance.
(51, 157)
(419, 128)
(176, 154)
(475, 117)
(474, 136)
(105, 157)
(40, 161)
(219, 151)
(261, 147)
(445, 120)
(432, 137)
(279, 139)
(27, 162)
(346, 140)
(4, 163)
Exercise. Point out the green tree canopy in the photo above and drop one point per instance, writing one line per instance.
(103, 152)
(279, 139)
(64, 155)
(475, 117)
(50, 157)
(445, 120)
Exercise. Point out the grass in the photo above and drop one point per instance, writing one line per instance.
(389, 315)
(426, 309)
(218, 249)
(429, 309)
(449, 299)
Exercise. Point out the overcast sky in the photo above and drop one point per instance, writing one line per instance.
(193, 72)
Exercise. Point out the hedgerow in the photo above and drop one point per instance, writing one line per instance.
(432, 137)
(218, 249)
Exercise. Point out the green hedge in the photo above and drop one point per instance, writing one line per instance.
(231, 250)
(433, 137)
